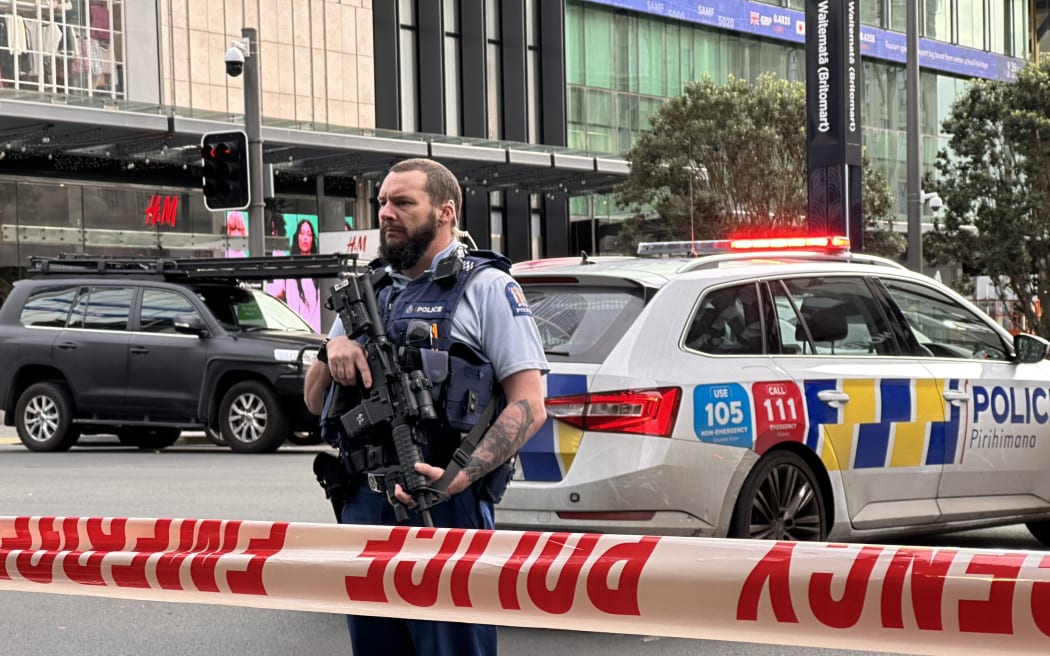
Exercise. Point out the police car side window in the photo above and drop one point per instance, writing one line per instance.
(942, 327)
(728, 321)
(831, 316)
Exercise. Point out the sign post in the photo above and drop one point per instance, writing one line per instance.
(833, 125)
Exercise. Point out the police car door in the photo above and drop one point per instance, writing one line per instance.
(873, 413)
(998, 453)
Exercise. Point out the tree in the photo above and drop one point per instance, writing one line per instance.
(994, 179)
(738, 152)
(879, 214)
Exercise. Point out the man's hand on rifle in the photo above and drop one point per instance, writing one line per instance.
(347, 359)
(432, 474)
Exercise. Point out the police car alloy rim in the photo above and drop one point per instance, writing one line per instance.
(41, 418)
(785, 506)
(248, 417)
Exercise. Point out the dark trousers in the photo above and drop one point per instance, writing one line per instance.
(388, 636)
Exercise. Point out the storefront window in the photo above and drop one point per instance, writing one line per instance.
(72, 47)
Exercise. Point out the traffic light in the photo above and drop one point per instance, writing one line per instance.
(226, 178)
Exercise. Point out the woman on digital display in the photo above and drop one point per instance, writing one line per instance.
(236, 226)
(301, 294)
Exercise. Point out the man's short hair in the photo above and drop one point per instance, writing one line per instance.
(441, 186)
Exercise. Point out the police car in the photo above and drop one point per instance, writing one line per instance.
(782, 388)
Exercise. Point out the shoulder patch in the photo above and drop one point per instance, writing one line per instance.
(516, 297)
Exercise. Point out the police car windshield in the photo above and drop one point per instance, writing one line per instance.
(240, 309)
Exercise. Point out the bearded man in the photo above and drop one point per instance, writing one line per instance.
(477, 317)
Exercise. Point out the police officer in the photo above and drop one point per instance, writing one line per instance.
(490, 319)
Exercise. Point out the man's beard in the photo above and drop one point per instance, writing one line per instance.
(407, 254)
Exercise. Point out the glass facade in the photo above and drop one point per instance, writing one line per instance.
(73, 47)
(610, 98)
(46, 217)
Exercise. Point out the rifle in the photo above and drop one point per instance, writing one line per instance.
(398, 397)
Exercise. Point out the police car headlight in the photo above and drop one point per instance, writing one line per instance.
(286, 355)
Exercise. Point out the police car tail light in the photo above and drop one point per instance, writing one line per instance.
(641, 412)
(834, 243)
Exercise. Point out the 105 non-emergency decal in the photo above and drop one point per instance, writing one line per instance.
(723, 414)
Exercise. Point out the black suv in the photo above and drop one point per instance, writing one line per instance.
(147, 348)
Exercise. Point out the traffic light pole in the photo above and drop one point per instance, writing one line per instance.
(253, 128)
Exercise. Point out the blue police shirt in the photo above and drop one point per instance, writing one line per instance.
(493, 317)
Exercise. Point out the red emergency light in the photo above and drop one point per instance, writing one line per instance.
(836, 243)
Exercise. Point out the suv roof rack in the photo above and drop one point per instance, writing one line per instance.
(242, 268)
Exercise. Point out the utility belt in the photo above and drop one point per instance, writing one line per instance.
(370, 457)
(370, 464)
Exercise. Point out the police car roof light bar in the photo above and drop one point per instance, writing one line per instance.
(682, 248)
(825, 244)
(829, 244)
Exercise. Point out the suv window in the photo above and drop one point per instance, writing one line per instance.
(159, 308)
(944, 328)
(102, 308)
(831, 316)
(582, 322)
(48, 307)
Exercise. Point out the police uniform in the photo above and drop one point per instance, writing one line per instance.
(492, 318)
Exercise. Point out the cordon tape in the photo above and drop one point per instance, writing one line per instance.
(912, 600)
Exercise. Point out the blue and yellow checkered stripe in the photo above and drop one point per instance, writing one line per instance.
(548, 455)
(887, 423)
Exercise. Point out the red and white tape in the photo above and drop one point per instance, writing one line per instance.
(905, 599)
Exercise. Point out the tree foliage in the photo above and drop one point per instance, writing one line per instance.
(729, 160)
(994, 179)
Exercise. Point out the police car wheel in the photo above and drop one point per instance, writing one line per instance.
(148, 439)
(44, 418)
(1040, 530)
(780, 500)
(252, 419)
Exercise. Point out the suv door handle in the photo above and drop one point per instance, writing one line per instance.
(833, 398)
(956, 398)
(139, 349)
(69, 346)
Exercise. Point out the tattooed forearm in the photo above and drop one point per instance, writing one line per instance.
(502, 440)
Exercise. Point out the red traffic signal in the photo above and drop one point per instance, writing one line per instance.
(226, 179)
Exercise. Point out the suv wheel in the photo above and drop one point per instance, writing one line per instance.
(252, 419)
(44, 418)
(149, 438)
(780, 500)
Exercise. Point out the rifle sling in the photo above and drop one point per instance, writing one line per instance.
(461, 456)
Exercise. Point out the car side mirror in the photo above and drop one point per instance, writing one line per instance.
(1030, 348)
(190, 324)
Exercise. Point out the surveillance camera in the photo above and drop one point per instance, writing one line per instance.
(936, 203)
(234, 62)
